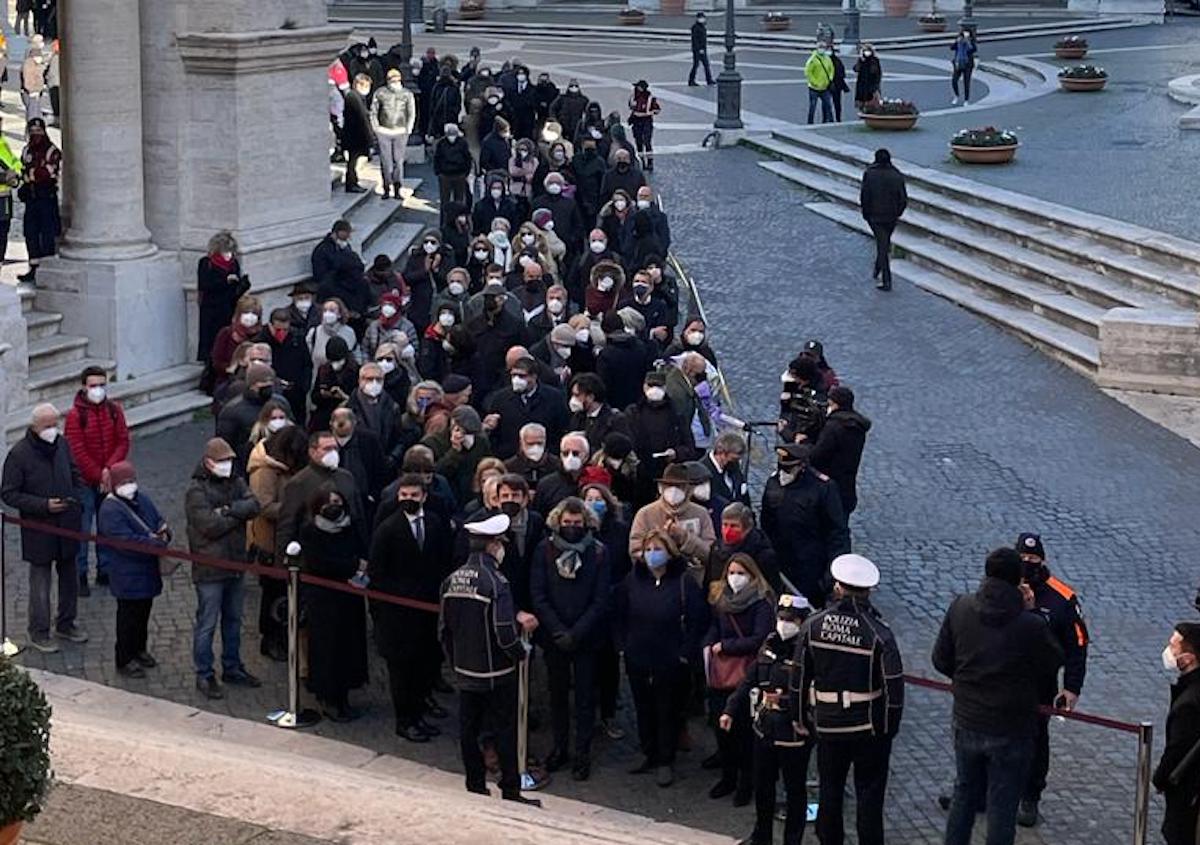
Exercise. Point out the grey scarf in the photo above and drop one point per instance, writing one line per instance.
(570, 556)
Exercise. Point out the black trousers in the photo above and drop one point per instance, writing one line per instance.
(352, 166)
(495, 710)
(697, 60)
(133, 620)
(771, 761)
(453, 189)
(963, 73)
(869, 756)
(735, 746)
(272, 611)
(660, 698)
(883, 249)
(56, 101)
(561, 666)
(608, 674)
(1039, 766)
(836, 95)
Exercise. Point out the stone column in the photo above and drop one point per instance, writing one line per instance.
(102, 135)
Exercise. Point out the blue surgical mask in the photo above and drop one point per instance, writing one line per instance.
(657, 559)
(599, 507)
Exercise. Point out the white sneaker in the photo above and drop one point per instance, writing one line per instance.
(954, 101)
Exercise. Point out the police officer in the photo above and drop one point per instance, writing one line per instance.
(480, 634)
(803, 404)
(782, 742)
(802, 516)
(852, 679)
(1058, 603)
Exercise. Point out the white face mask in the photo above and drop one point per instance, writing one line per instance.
(554, 189)
(408, 352)
(337, 365)
(49, 434)
(605, 284)
(329, 317)
(387, 365)
(128, 490)
(583, 336)
(563, 352)
(388, 310)
(694, 338)
(96, 395)
(430, 248)
(222, 469)
(519, 384)
(738, 581)
(786, 478)
(331, 459)
(572, 463)
(528, 239)
(575, 404)
(703, 492)
(468, 441)
(480, 255)
(555, 306)
(456, 288)
(249, 319)
(535, 451)
(549, 227)
(396, 86)
(673, 496)
(446, 319)
(373, 387)
(655, 394)
(620, 205)
(277, 423)
(497, 193)
(787, 630)
(1169, 660)
(643, 204)
(598, 247)
(302, 305)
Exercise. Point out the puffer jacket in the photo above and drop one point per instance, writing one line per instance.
(393, 112)
(98, 436)
(217, 510)
(267, 477)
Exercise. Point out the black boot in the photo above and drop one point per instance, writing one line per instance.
(649, 162)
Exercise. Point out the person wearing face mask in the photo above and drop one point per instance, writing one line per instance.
(685, 522)
(617, 459)
(453, 297)
(557, 349)
(521, 167)
(803, 518)
(357, 135)
(236, 420)
(660, 617)
(558, 196)
(452, 164)
(621, 182)
(445, 100)
(323, 466)
(868, 76)
(218, 505)
(545, 93)
(374, 411)
(741, 604)
(574, 451)
(98, 437)
(532, 461)
(291, 361)
(839, 447)
(737, 534)
(479, 261)
(244, 326)
(409, 554)
(1177, 775)
(425, 272)
(693, 338)
(818, 72)
(393, 113)
(301, 311)
(525, 399)
(699, 35)
(495, 203)
(590, 413)
(1057, 603)
(766, 700)
(482, 644)
(391, 326)
(589, 167)
(434, 361)
(41, 163)
(606, 282)
(496, 148)
(724, 464)
(494, 106)
(662, 227)
(597, 250)
(40, 482)
(659, 436)
(665, 287)
(495, 331)
(838, 86)
(568, 107)
(643, 108)
(703, 493)
(426, 70)
(570, 588)
(397, 378)
(522, 104)
(129, 515)
(333, 383)
(338, 271)
(555, 157)
(459, 449)
(963, 64)
(533, 272)
(998, 652)
(556, 251)
(220, 283)
(337, 621)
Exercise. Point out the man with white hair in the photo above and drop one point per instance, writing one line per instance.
(532, 461)
(39, 482)
(573, 452)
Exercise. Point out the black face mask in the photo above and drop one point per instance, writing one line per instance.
(1034, 572)
(333, 512)
(264, 393)
(410, 506)
(492, 303)
(572, 533)
(510, 509)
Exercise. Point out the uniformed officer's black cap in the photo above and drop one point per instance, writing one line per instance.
(792, 608)
(793, 453)
(1031, 544)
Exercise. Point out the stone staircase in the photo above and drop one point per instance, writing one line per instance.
(1050, 274)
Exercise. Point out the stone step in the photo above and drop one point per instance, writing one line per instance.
(53, 383)
(396, 240)
(27, 296)
(168, 412)
(1068, 277)
(1042, 300)
(53, 350)
(40, 324)
(969, 203)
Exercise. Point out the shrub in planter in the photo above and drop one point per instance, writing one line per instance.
(987, 145)
(471, 10)
(889, 114)
(1071, 47)
(932, 22)
(776, 21)
(1082, 78)
(24, 748)
(631, 17)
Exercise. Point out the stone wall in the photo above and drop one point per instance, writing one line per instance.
(1142, 349)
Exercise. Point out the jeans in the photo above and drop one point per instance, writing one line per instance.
(869, 755)
(39, 597)
(133, 621)
(498, 708)
(826, 100)
(997, 764)
(697, 60)
(391, 158)
(963, 73)
(90, 499)
(883, 248)
(218, 598)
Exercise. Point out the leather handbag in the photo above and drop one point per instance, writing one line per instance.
(726, 671)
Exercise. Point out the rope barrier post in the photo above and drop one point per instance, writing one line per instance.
(293, 716)
(1141, 800)
(531, 780)
(7, 647)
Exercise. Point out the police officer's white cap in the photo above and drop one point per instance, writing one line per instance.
(855, 571)
(493, 526)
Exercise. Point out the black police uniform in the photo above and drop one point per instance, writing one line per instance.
(806, 525)
(1058, 604)
(852, 679)
(482, 642)
(770, 696)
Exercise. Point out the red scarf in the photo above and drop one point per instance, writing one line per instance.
(218, 261)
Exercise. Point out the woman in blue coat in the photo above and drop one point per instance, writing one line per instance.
(134, 578)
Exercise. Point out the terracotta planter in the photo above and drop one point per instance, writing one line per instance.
(893, 122)
(10, 833)
(673, 7)
(631, 20)
(932, 26)
(1070, 52)
(470, 14)
(897, 8)
(1068, 84)
(984, 155)
(777, 25)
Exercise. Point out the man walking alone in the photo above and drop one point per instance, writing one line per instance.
(883, 199)
(700, 50)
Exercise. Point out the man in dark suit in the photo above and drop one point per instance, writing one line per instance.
(357, 136)
(700, 50)
(883, 199)
(410, 557)
(724, 464)
(524, 400)
(1180, 784)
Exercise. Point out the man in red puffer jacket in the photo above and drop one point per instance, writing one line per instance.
(99, 438)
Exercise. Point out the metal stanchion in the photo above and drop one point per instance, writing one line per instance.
(1141, 799)
(293, 716)
(7, 647)
(531, 780)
